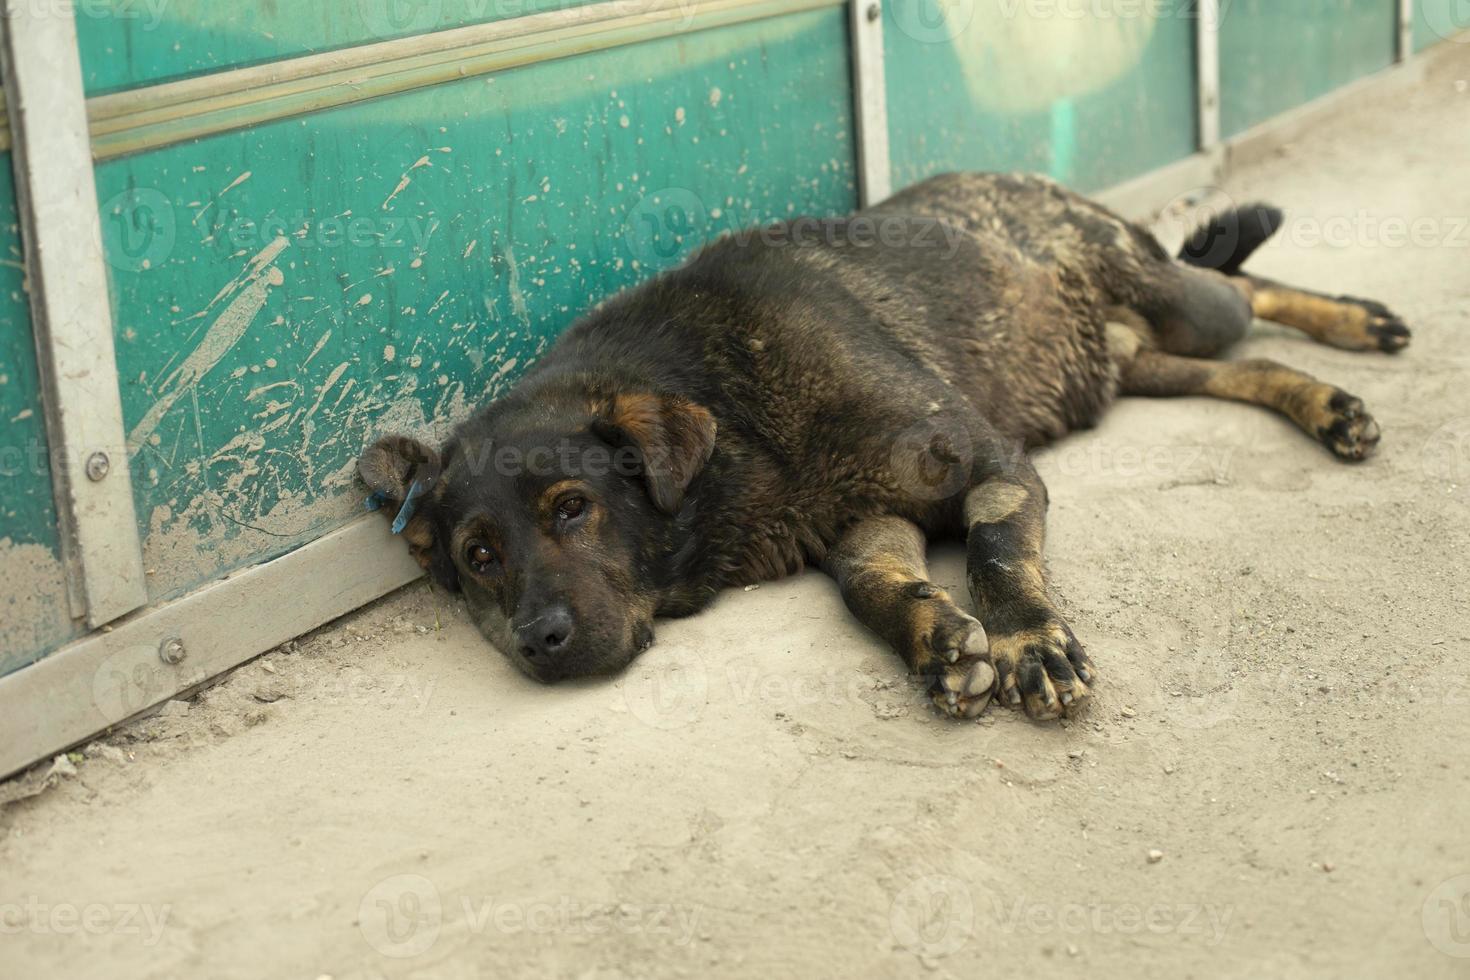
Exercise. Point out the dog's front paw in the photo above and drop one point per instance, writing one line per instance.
(1042, 668)
(964, 688)
(940, 631)
(1347, 429)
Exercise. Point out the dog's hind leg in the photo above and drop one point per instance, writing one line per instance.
(1193, 312)
(1222, 244)
(1341, 321)
(1326, 413)
(879, 566)
(1037, 658)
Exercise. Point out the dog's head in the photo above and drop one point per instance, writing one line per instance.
(562, 519)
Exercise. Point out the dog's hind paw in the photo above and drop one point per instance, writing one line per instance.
(1380, 327)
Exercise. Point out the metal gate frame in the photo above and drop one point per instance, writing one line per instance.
(137, 657)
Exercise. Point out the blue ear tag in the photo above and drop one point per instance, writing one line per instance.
(415, 491)
(376, 500)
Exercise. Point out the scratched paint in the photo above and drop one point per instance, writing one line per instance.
(127, 43)
(1275, 56)
(34, 614)
(1090, 98)
(393, 264)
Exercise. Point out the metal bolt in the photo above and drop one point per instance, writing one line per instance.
(97, 466)
(171, 650)
(873, 12)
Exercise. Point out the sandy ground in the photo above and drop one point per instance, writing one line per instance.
(1284, 718)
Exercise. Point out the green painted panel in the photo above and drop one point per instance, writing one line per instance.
(1440, 20)
(127, 43)
(1275, 56)
(1013, 85)
(33, 603)
(283, 294)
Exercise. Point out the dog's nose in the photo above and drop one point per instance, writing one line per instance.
(548, 634)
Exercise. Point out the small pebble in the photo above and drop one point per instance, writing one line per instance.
(1129, 713)
(1155, 856)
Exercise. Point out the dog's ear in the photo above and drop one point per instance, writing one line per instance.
(673, 438)
(401, 472)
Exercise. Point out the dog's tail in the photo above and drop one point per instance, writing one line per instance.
(1229, 238)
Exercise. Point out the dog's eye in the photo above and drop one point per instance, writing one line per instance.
(479, 557)
(571, 508)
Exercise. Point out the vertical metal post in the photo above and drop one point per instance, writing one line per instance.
(1207, 72)
(70, 309)
(870, 102)
(1405, 47)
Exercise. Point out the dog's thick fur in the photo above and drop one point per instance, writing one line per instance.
(835, 394)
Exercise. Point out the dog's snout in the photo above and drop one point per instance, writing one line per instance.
(548, 634)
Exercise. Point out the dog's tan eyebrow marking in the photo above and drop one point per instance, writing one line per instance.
(548, 498)
(562, 486)
(477, 526)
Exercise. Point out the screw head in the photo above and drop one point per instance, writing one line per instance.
(97, 466)
(873, 12)
(171, 650)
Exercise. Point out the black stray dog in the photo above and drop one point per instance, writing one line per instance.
(835, 393)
